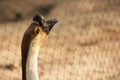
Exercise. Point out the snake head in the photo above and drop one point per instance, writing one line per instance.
(46, 25)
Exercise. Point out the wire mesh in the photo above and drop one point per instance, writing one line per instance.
(84, 44)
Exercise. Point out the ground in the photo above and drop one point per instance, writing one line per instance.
(83, 45)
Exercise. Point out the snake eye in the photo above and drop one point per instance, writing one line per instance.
(46, 27)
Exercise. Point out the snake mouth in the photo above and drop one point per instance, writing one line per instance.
(50, 23)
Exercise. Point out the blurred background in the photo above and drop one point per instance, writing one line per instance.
(83, 45)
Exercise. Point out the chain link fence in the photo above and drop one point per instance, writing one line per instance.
(83, 45)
